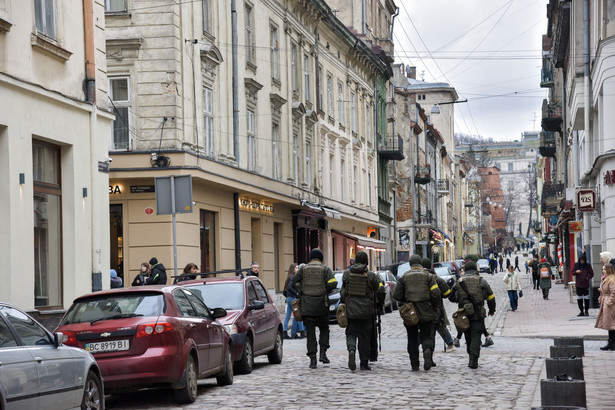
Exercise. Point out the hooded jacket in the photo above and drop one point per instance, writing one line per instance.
(358, 279)
(583, 278)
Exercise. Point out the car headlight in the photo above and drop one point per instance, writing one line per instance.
(332, 307)
(231, 329)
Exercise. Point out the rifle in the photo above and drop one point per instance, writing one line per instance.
(379, 325)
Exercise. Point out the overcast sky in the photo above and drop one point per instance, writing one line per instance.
(488, 50)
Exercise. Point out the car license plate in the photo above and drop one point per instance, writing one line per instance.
(109, 346)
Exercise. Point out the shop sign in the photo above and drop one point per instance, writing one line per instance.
(575, 226)
(139, 189)
(609, 177)
(255, 205)
(115, 189)
(586, 200)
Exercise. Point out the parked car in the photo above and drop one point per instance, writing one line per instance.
(483, 265)
(334, 297)
(390, 281)
(402, 269)
(451, 265)
(38, 372)
(151, 336)
(445, 273)
(252, 319)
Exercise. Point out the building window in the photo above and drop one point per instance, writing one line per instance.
(208, 241)
(340, 103)
(306, 76)
(294, 68)
(353, 111)
(319, 81)
(275, 138)
(369, 186)
(119, 92)
(251, 48)
(355, 181)
(368, 121)
(116, 6)
(296, 158)
(308, 164)
(342, 179)
(329, 95)
(208, 121)
(275, 54)
(47, 189)
(510, 166)
(331, 165)
(251, 141)
(206, 16)
(44, 16)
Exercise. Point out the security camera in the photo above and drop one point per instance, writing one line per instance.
(108, 159)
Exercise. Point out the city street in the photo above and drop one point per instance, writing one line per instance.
(508, 374)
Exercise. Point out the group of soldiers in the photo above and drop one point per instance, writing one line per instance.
(363, 293)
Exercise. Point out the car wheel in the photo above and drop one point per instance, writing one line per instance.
(92, 393)
(187, 394)
(275, 355)
(227, 378)
(245, 364)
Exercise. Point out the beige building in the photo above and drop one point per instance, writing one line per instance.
(276, 130)
(54, 128)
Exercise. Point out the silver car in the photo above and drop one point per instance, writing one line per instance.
(38, 372)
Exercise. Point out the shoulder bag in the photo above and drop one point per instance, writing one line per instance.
(461, 320)
(408, 314)
(296, 306)
(341, 315)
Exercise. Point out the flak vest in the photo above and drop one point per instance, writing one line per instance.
(313, 280)
(417, 286)
(357, 285)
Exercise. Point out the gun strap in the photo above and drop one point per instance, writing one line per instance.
(465, 289)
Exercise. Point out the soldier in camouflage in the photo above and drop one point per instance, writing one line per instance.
(419, 287)
(313, 282)
(481, 292)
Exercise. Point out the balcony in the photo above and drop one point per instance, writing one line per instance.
(551, 116)
(424, 220)
(536, 226)
(391, 147)
(391, 111)
(547, 75)
(552, 195)
(422, 175)
(547, 144)
(443, 187)
(384, 208)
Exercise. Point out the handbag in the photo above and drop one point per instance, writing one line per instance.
(341, 315)
(408, 314)
(461, 320)
(296, 306)
(520, 293)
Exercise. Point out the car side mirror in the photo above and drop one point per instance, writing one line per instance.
(219, 312)
(57, 339)
(257, 305)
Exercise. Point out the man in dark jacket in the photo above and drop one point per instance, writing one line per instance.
(158, 275)
(544, 272)
(480, 291)
(441, 327)
(534, 266)
(583, 274)
(419, 287)
(359, 288)
(314, 282)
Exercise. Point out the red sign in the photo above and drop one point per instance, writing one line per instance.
(149, 210)
(575, 226)
(609, 177)
(586, 200)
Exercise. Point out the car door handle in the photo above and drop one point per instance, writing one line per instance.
(192, 325)
(38, 359)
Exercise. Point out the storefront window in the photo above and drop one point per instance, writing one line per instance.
(47, 225)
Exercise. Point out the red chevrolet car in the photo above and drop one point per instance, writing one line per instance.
(252, 318)
(151, 336)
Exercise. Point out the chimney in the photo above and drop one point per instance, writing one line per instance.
(411, 72)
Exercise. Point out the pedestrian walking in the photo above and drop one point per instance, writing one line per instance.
(507, 263)
(470, 292)
(313, 283)
(377, 320)
(158, 275)
(527, 268)
(492, 265)
(501, 263)
(142, 276)
(535, 278)
(359, 288)
(511, 279)
(517, 263)
(583, 273)
(297, 330)
(606, 314)
(419, 287)
(544, 271)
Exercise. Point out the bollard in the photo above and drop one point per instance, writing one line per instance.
(563, 393)
(572, 366)
(570, 341)
(566, 351)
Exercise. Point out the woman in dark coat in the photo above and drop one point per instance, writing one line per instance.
(583, 274)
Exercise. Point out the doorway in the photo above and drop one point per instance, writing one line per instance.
(116, 233)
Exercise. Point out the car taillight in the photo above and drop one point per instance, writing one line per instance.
(70, 338)
(390, 286)
(149, 329)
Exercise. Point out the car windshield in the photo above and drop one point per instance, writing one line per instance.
(116, 306)
(229, 296)
(402, 269)
(483, 262)
(442, 271)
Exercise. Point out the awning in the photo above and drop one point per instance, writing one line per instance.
(520, 239)
(367, 242)
(329, 212)
(332, 213)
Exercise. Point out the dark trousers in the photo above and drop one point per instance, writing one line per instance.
(473, 335)
(310, 327)
(359, 330)
(421, 331)
(545, 293)
(514, 299)
(535, 280)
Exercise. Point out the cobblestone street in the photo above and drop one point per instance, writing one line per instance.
(507, 378)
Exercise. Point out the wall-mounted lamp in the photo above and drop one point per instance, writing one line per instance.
(85, 192)
(22, 178)
(436, 107)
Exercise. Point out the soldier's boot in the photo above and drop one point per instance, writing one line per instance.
(473, 364)
(352, 364)
(365, 365)
(323, 356)
(427, 359)
(415, 365)
(313, 363)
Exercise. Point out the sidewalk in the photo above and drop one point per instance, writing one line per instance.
(539, 318)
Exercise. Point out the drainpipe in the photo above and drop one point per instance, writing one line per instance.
(415, 218)
(364, 25)
(88, 38)
(235, 80)
(393, 22)
(237, 233)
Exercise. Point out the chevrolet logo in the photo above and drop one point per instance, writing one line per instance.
(106, 334)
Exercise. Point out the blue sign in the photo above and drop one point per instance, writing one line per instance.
(553, 220)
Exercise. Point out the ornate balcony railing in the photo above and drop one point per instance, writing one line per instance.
(391, 147)
(547, 74)
(547, 143)
(551, 116)
(422, 174)
(424, 219)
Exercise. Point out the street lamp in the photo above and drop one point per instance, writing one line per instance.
(436, 107)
